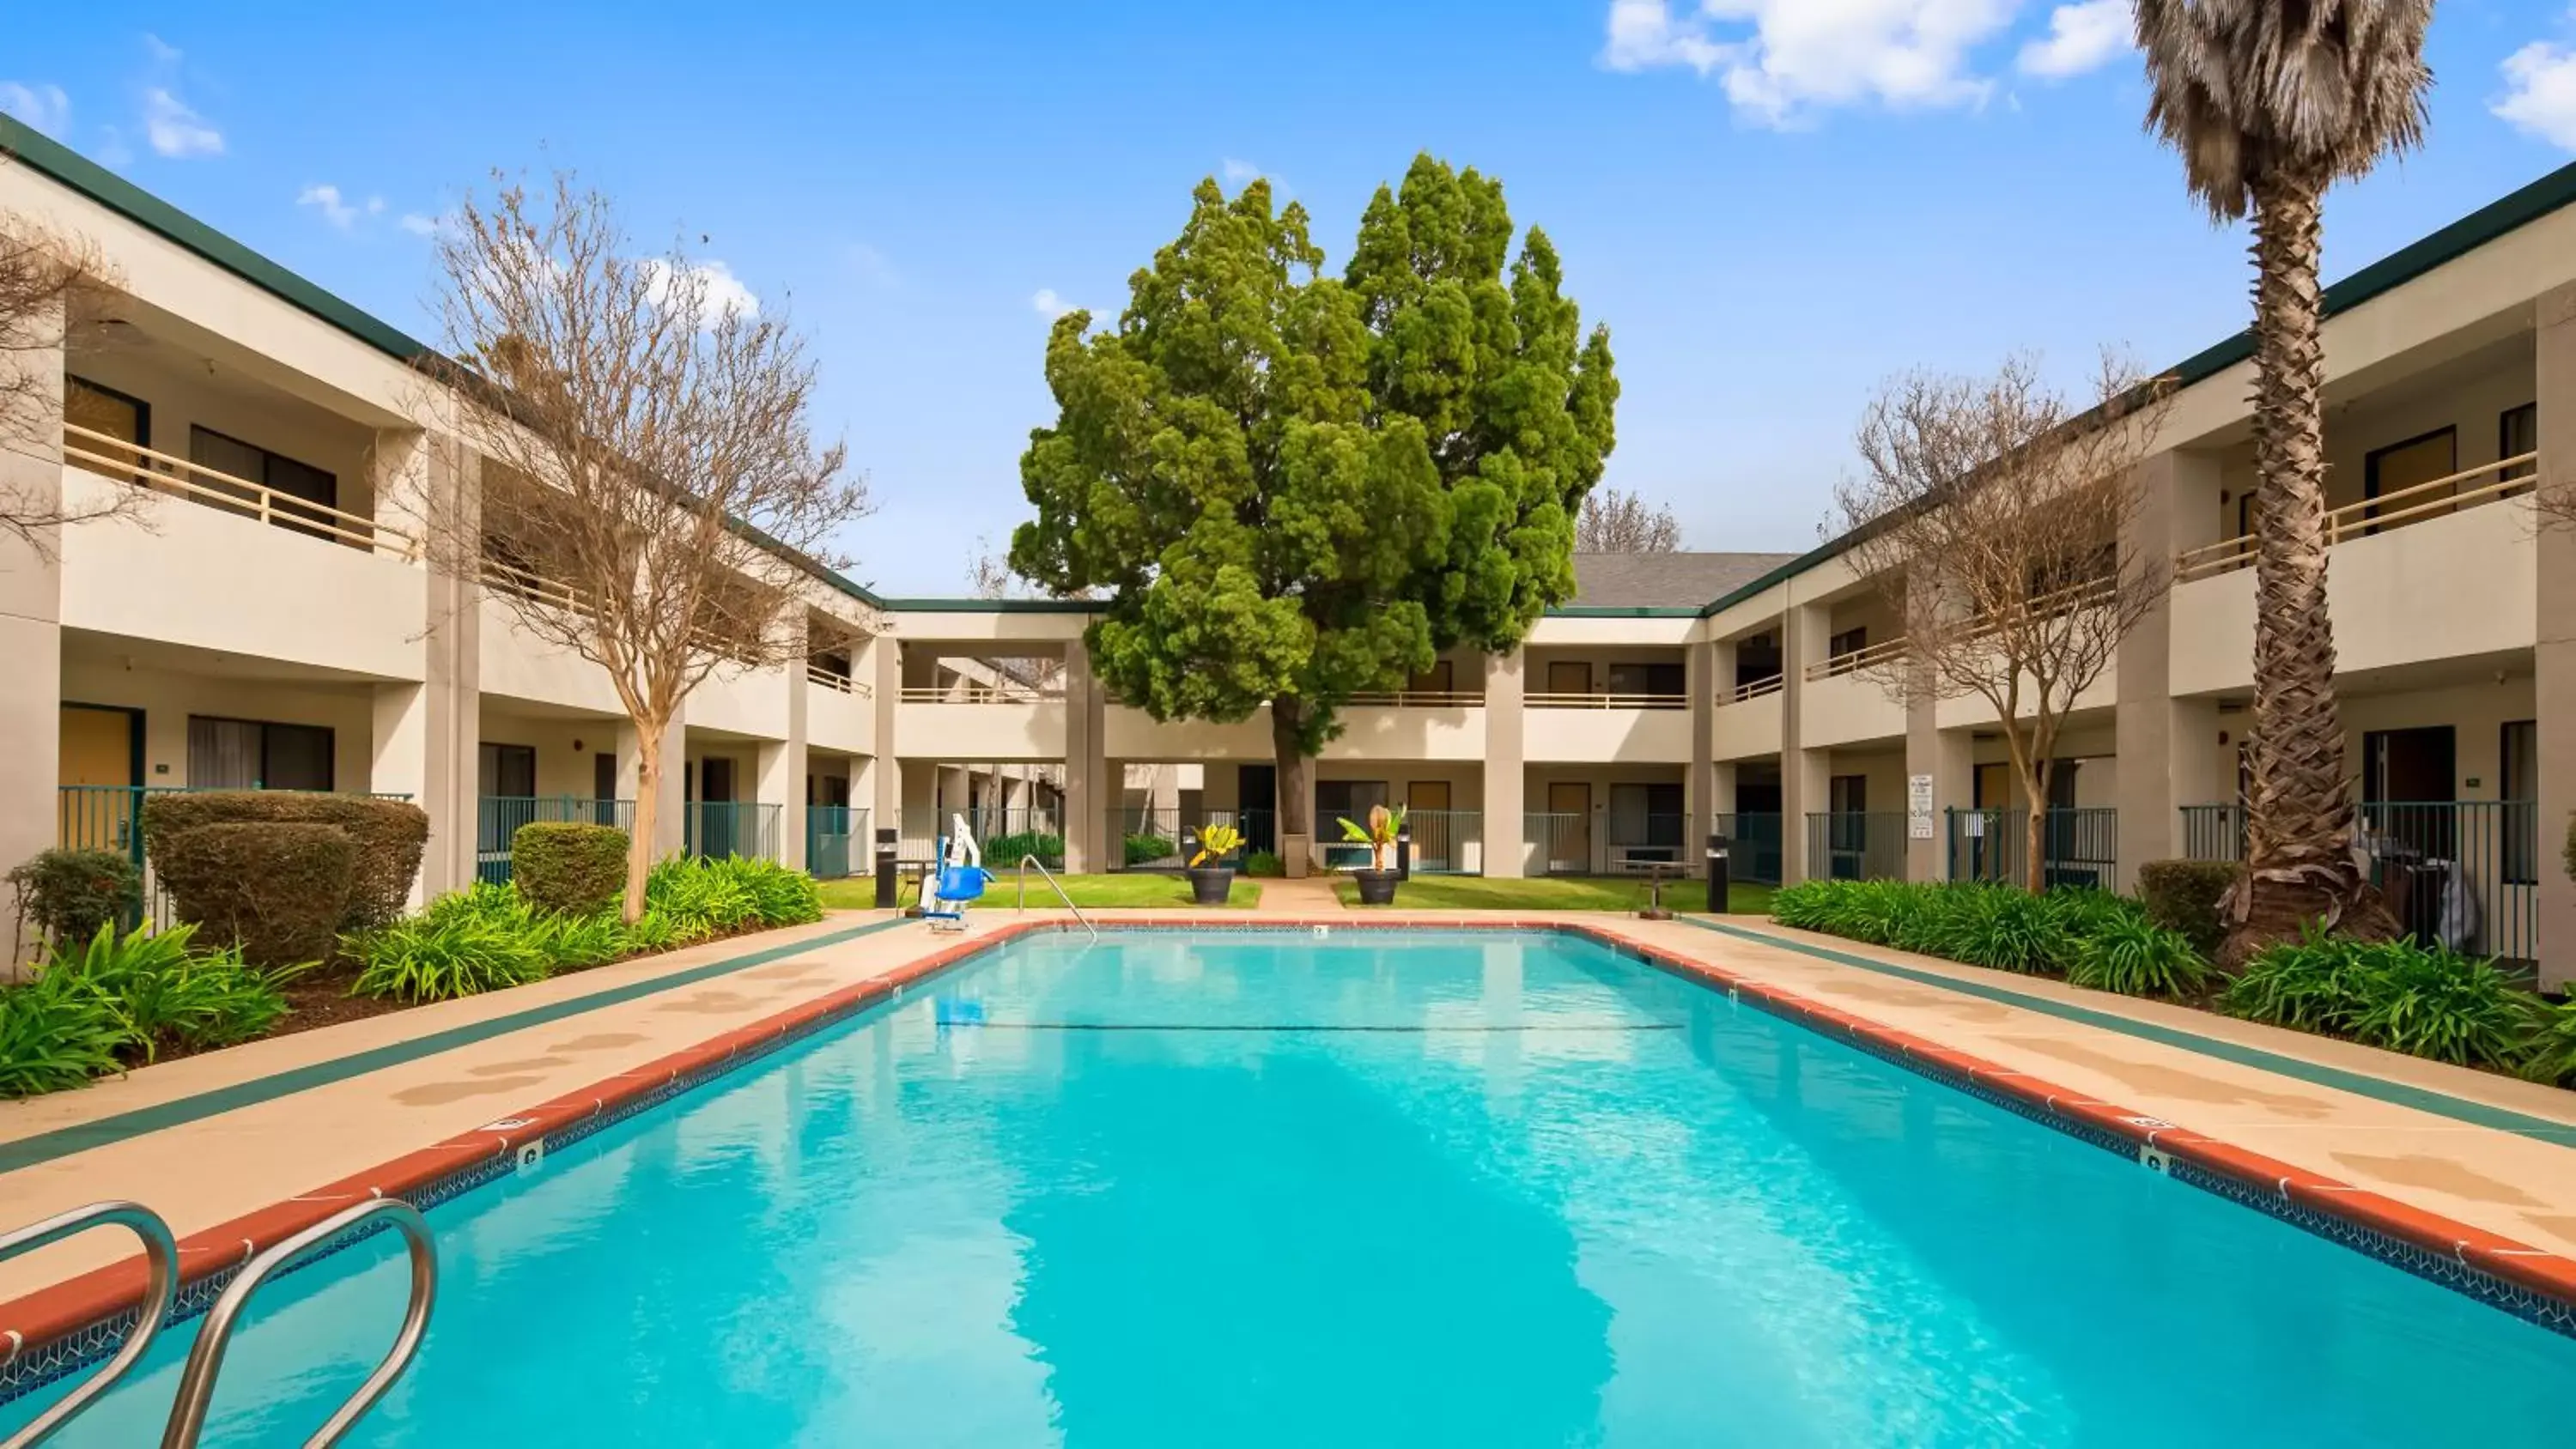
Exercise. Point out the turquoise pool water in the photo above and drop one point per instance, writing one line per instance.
(1256, 1190)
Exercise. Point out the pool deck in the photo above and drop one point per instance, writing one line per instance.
(244, 1139)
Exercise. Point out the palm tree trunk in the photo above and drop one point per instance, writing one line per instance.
(2298, 848)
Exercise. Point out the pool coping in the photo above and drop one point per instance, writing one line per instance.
(56, 1330)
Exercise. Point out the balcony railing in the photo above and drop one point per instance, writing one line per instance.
(161, 473)
(1753, 845)
(2458, 873)
(497, 819)
(1856, 845)
(1607, 701)
(1560, 840)
(1855, 660)
(717, 828)
(1755, 689)
(837, 682)
(2079, 846)
(2504, 478)
(1419, 699)
(837, 843)
(981, 693)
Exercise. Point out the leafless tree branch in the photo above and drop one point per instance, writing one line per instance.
(1616, 522)
(52, 287)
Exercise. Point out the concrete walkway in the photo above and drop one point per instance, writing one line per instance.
(1312, 896)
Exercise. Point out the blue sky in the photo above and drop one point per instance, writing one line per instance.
(1773, 203)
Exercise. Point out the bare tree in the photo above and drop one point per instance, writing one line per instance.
(50, 286)
(988, 570)
(1989, 517)
(651, 483)
(1616, 522)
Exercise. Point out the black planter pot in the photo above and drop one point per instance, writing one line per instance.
(1209, 885)
(1377, 887)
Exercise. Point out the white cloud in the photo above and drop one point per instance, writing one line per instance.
(1051, 305)
(418, 225)
(176, 131)
(326, 199)
(163, 52)
(1782, 60)
(2540, 92)
(45, 108)
(1240, 170)
(2080, 38)
(719, 291)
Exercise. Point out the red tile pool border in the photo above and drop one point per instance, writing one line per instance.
(54, 1330)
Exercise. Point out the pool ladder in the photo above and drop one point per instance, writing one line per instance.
(206, 1357)
(1025, 862)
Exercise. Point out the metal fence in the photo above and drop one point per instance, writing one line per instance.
(110, 817)
(1642, 840)
(713, 829)
(2458, 873)
(497, 819)
(1559, 843)
(836, 842)
(1856, 845)
(1447, 842)
(2080, 846)
(1753, 845)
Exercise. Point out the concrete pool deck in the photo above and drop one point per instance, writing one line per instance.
(218, 1140)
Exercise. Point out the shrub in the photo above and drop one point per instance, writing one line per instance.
(2134, 956)
(278, 888)
(2304, 984)
(1144, 848)
(387, 837)
(2437, 1003)
(71, 893)
(463, 944)
(2182, 895)
(162, 992)
(1006, 850)
(572, 942)
(53, 1034)
(2552, 1055)
(2008, 929)
(1265, 863)
(568, 866)
(1999, 926)
(703, 898)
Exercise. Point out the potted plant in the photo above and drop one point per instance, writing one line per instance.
(1377, 881)
(1211, 879)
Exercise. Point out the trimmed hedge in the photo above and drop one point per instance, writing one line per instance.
(71, 893)
(388, 837)
(568, 866)
(280, 888)
(1142, 849)
(2182, 896)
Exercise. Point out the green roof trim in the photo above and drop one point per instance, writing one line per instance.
(1621, 611)
(2496, 219)
(46, 156)
(994, 606)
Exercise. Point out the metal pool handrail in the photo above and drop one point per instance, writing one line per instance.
(206, 1359)
(1029, 860)
(160, 1286)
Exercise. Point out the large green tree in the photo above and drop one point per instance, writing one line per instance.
(1290, 488)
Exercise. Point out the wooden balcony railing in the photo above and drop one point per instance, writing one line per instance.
(1607, 701)
(979, 693)
(2505, 478)
(1418, 699)
(1767, 685)
(161, 473)
(1853, 661)
(837, 682)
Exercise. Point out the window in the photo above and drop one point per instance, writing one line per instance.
(1756, 660)
(1663, 681)
(1847, 795)
(1849, 641)
(236, 754)
(105, 410)
(279, 474)
(506, 772)
(1347, 800)
(2393, 471)
(1646, 821)
(2518, 787)
(1440, 678)
(1569, 676)
(2517, 433)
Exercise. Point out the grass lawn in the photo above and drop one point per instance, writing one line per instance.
(1558, 893)
(1091, 892)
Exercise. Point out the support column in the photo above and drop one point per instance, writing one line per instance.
(1804, 773)
(425, 735)
(2163, 743)
(2554, 656)
(782, 764)
(1506, 842)
(885, 773)
(1699, 805)
(1949, 757)
(31, 632)
(398, 762)
(1089, 791)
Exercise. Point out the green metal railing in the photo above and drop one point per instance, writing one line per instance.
(2458, 873)
(110, 817)
(714, 829)
(1560, 842)
(1856, 845)
(836, 837)
(1753, 845)
(497, 819)
(2080, 846)
(1443, 839)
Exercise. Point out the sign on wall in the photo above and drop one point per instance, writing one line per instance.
(1918, 807)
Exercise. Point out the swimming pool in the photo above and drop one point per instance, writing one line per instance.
(1384, 1188)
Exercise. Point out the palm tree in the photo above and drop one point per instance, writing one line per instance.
(2269, 102)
